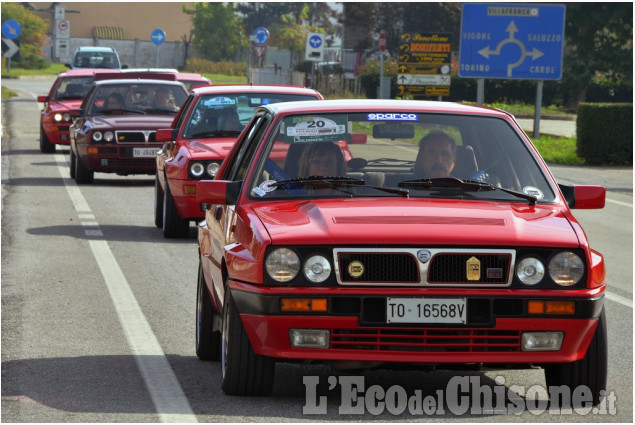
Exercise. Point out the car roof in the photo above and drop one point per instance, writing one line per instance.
(86, 72)
(261, 88)
(139, 81)
(118, 75)
(191, 76)
(387, 105)
(95, 49)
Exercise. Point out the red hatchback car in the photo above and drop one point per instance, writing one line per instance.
(116, 129)
(200, 137)
(445, 241)
(61, 106)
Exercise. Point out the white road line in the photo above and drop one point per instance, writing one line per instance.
(624, 204)
(619, 299)
(165, 391)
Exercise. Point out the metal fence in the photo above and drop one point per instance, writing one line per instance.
(330, 85)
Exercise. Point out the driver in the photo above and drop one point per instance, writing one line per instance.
(436, 157)
(321, 159)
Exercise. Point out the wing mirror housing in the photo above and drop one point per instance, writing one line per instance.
(584, 197)
(217, 192)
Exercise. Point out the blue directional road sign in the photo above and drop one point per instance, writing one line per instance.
(517, 41)
(11, 29)
(158, 36)
(261, 36)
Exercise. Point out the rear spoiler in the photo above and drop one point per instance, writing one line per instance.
(165, 76)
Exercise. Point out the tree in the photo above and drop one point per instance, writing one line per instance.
(32, 35)
(599, 43)
(217, 30)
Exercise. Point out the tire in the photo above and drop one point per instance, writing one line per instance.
(82, 175)
(590, 371)
(158, 202)
(45, 145)
(72, 165)
(207, 338)
(173, 226)
(243, 371)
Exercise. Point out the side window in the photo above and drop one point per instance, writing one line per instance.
(240, 161)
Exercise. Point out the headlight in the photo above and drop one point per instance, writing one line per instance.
(197, 169)
(317, 269)
(57, 117)
(530, 270)
(109, 136)
(566, 268)
(66, 117)
(282, 265)
(97, 136)
(212, 169)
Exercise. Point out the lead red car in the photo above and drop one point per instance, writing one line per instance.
(198, 141)
(116, 129)
(389, 261)
(61, 106)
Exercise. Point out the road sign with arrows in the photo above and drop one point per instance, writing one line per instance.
(10, 48)
(520, 41)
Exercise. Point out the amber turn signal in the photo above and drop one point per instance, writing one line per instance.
(562, 308)
(302, 305)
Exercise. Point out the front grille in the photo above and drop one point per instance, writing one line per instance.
(419, 267)
(136, 137)
(425, 340)
(452, 268)
(381, 267)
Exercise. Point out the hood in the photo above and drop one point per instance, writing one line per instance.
(134, 122)
(217, 148)
(60, 105)
(416, 222)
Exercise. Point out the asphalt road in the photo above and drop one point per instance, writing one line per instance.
(98, 310)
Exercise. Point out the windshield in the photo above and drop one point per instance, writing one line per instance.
(399, 154)
(126, 98)
(216, 115)
(96, 60)
(73, 88)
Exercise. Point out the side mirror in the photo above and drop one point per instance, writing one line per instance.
(359, 138)
(584, 197)
(67, 65)
(165, 135)
(223, 192)
(42, 99)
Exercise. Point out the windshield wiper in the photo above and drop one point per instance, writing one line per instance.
(466, 185)
(334, 182)
(160, 111)
(119, 111)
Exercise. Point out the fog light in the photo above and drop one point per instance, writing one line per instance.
(103, 161)
(541, 341)
(309, 338)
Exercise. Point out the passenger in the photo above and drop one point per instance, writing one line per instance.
(321, 159)
(436, 157)
(229, 121)
(162, 100)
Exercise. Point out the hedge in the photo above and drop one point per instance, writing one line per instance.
(605, 133)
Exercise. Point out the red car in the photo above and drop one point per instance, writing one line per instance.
(192, 80)
(116, 131)
(445, 241)
(201, 135)
(61, 106)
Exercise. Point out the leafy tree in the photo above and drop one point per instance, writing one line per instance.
(32, 35)
(217, 30)
(599, 43)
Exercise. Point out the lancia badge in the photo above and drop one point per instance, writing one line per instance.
(473, 269)
(424, 255)
(355, 269)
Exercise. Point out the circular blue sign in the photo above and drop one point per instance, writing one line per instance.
(262, 36)
(158, 36)
(315, 41)
(11, 29)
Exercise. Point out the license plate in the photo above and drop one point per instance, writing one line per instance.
(145, 152)
(426, 310)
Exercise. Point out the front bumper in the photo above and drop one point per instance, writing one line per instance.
(118, 159)
(358, 330)
(57, 134)
(184, 195)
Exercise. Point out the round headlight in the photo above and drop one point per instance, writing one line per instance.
(66, 117)
(530, 271)
(109, 136)
(566, 268)
(317, 269)
(212, 169)
(282, 264)
(97, 136)
(197, 169)
(57, 117)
